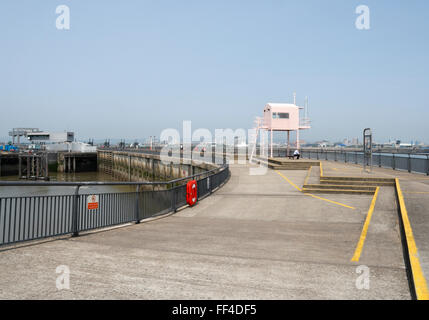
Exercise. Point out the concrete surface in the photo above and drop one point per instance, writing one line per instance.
(415, 188)
(258, 237)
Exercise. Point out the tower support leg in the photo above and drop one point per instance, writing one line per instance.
(262, 151)
(288, 143)
(297, 139)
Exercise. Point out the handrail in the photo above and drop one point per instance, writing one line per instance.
(417, 163)
(375, 150)
(32, 217)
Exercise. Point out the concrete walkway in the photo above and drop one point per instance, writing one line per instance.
(258, 237)
(415, 188)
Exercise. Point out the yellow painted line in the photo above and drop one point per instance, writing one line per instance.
(308, 175)
(419, 279)
(321, 170)
(327, 200)
(290, 182)
(312, 195)
(362, 238)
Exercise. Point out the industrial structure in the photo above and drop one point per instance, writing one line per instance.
(21, 132)
(41, 151)
(49, 141)
(33, 166)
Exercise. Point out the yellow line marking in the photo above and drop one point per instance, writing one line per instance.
(312, 195)
(321, 170)
(362, 238)
(308, 175)
(290, 182)
(327, 200)
(420, 284)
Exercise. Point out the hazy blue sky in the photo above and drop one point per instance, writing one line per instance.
(128, 69)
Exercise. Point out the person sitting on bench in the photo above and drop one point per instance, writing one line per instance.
(296, 154)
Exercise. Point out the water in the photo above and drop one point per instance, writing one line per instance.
(19, 191)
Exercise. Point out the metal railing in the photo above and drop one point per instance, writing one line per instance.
(27, 218)
(417, 163)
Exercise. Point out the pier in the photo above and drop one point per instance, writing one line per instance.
(255, 237)
(214, 154)
(33, 166)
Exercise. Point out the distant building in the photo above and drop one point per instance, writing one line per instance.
(58, 141)
(323, 144)
(71, 147)
(350, 142)
(44, 137)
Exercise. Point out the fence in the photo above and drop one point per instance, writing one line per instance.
(418, 163)
(35, 217)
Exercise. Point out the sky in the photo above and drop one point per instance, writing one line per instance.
(130, 69)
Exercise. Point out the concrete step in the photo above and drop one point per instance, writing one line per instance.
(357, 183)
(338, 191)
(286, 161)
(371, 179)
(340, 187)
(289, 166)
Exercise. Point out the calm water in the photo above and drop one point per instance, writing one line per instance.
(62, 190)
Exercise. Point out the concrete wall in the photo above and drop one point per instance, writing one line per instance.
(122, 165)
(132, 166)
(76, 161)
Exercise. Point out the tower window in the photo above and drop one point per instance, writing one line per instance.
(280, 115)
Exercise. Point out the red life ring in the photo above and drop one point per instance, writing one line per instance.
(191, 192)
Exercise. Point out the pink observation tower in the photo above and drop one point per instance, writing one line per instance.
(281, 117)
